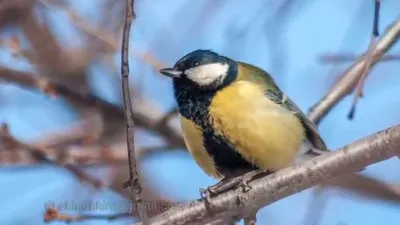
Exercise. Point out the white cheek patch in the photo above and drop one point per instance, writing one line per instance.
(208, 74)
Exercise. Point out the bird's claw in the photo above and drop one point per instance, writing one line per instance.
(245, 184)
(227, 184)
(205, 194)
(222, 186)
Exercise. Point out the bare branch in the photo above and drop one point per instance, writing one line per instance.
(346, 57)
(350, 158)
(133, 181)
(144, 115)
(11, 144)
(350, 78)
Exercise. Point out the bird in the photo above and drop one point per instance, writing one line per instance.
(234, 117)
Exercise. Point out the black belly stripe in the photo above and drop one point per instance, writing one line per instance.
(227, 160)
(194, 106)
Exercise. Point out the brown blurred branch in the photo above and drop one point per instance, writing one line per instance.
(143, 115)
(51, 59)
(266, 190)
(91, 155)
(350, 78)
(69, 157)
(10, 10)
(52, 215)
(11, 144)
(110, 42)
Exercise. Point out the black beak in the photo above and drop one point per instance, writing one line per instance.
(171, 72)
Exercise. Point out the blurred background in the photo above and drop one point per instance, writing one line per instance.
(62, 141)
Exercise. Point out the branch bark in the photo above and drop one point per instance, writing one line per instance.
(266, 190)
(133, 181)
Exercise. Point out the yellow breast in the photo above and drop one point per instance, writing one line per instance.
(265, 134)
(193, 137)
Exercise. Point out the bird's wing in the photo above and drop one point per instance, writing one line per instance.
(261, 77)
(311, 130)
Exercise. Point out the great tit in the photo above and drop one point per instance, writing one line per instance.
(235, 119)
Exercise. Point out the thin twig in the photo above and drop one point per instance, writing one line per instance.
(266, 190)
(350, 78)
(347, 57)
(133, 181)
(368, 61)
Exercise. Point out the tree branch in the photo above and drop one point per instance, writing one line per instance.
(350, 78)
(347, 57)
(9, 143)
(143, 115)
(133, 181)
(266, 190)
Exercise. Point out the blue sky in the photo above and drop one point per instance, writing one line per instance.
(239, 31)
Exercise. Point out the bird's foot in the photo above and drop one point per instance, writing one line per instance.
(227, 184)
(207, 193)
(206, 196)
(244, 184)
(213, 190)
(250, 176)
(246, 178)
(222, 186)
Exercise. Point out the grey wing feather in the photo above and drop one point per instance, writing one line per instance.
(311, 130)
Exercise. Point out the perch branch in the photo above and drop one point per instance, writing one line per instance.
(266, 190)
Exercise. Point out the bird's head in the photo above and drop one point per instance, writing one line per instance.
(203, 69)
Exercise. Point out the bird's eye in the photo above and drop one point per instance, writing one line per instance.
(195, 63)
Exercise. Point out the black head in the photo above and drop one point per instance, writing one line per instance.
(203, 69)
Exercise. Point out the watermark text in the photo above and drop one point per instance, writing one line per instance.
(108, 205)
